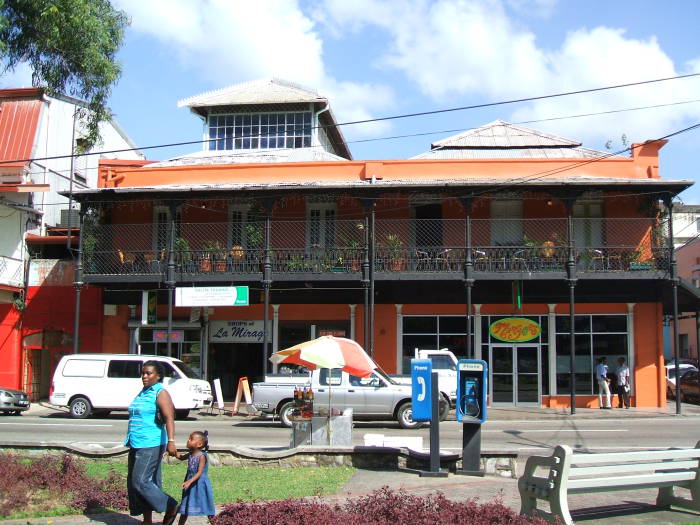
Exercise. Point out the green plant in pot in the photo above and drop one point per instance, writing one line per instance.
(89, 246)
(215, 251)
(395, 252)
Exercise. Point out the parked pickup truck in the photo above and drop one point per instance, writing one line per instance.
(445, 364)
(374, 397)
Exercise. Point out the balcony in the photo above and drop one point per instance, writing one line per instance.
(429, 248)
(11, 272)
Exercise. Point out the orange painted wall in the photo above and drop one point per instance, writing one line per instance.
(10, 347)
(643, 164)
(115, 333)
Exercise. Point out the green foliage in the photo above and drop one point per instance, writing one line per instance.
(248, 483)
(71, 46)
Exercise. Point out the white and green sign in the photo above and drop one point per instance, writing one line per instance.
(211, 296)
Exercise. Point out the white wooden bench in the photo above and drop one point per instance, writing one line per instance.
(566, 472)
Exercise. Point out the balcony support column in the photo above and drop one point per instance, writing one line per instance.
(267, 283)
(468, 270)
(372, 255)
(78, 281)
(170, 273)
(571, 279)
(673, 278)
(365, 276)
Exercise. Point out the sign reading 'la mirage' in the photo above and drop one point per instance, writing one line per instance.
(515, 329)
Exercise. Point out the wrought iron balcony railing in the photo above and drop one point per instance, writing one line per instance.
(418, 246)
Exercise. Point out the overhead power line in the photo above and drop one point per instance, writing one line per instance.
(378, 119)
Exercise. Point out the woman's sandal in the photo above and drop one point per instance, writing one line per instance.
(170, 515)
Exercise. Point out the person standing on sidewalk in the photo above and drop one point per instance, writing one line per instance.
(601, 376)
(150, 433)
(623, 383)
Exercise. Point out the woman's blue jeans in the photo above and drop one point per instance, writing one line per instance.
(143, 481)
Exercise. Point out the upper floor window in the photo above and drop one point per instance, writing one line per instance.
(260, 131)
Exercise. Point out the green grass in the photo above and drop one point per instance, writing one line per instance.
(248, 483)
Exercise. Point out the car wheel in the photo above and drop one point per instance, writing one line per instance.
(80, 408)
(182, 414)
(405, 416)
(285, 414)
(17, 413)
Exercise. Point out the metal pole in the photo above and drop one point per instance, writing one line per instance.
(571, 278)
(672, 274)
(365, 280)
(371, 280)
(468, 268)
(267, 282)
(78, 284)
(170, 276)
(70, 190)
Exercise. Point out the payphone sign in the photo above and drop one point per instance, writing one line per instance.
(471, 390)
(421, 389)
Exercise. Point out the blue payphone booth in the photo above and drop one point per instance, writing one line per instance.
(472, 389)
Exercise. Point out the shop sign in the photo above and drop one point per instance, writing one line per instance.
(236, 331)
(334, 333)
(515, 329)
(211, 296)
(161, 336)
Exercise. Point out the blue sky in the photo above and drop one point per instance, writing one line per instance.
(377, 58)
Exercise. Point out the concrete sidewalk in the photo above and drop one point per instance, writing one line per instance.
(44, 409)
(619, 508)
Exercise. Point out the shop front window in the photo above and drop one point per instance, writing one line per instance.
(596, 336)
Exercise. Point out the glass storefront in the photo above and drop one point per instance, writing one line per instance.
(519, 371)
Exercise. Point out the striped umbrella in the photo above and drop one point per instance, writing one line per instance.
(328, 352)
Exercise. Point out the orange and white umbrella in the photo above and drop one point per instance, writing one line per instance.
(328, 352)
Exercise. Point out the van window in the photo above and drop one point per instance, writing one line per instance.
(124, 368)
(84, 368)
(169, 371)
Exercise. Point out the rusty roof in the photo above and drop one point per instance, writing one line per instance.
(19, 120)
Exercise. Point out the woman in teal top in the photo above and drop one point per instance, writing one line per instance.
(151, 431)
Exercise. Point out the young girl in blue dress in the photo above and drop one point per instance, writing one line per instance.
(197, 494)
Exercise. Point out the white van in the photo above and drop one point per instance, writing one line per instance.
(99, 383)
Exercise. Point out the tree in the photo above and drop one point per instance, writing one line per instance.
(71, 47)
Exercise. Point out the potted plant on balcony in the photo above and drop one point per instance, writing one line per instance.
(183, 255)
(395, 252)
(89, 245)
(216, 252)
(210, 252)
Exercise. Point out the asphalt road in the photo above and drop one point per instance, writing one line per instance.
(524, 436)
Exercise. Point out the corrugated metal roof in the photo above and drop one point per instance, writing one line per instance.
(19, 119)
(513, 153)
(268, 90)
(250, 157)
(433, 184)
(501, 134)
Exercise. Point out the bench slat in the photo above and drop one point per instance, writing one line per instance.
(631, 482)
(621, 457)
(632, 467)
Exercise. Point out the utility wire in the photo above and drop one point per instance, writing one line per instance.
(380, 119)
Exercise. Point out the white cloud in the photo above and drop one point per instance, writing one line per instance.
(229, 42)
(459, 50)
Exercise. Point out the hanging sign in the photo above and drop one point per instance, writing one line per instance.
(161, 336)
(515, 329)
(211, 296)
(149, 307)
(237, 331)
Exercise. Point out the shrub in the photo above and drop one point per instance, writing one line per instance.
(64, 477)
(382, 507)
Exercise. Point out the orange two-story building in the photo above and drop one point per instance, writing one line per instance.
(481, 245)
